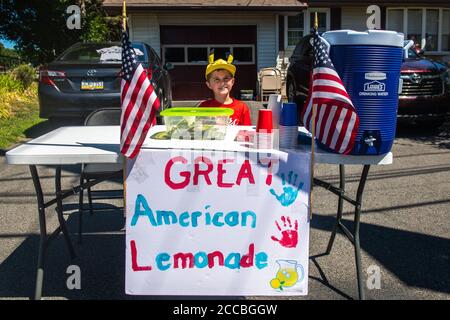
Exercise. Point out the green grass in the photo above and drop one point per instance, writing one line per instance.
(25, 116)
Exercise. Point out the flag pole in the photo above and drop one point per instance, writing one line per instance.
(313, 129)
(124, 15)
(124, 164)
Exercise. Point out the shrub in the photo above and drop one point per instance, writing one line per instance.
(12, 94)
(25, 74)
(9, 84)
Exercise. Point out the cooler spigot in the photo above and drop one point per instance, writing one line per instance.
(370, 140)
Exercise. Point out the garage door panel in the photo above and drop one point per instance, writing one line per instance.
(188, 82)
(207, 34)
(188, 79)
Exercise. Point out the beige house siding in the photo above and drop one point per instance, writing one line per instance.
(145, 28)
(354, 18)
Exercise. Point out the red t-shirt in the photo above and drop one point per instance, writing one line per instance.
(241, 115)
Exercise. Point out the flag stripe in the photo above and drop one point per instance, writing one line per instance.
(338, 128)
(330, 83)
(330, 95)
(139, 116)
(336, 120)
(139, 123)
(133, 122)
(353, 134)
(139, 101)
(328, 124)
(333, 125)
(348, 136)
(343, 132)
(327, 76)
(132, 111)
(130, 88)
(324, 70)
(324, 122)
(329, 89)
(145, 126)
(319, 120)
(309, 116)
(132, 98)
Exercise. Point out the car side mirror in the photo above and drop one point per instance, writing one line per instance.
(168, 66)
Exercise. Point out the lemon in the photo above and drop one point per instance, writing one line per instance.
(275, 283)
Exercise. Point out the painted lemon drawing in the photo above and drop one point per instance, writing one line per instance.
(287, 274)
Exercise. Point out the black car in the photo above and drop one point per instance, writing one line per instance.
(425, 92)
(86, 77)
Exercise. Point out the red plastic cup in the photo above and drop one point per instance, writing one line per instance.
(264, 121)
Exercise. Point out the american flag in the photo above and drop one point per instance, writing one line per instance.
(139, 101)
(336, 119)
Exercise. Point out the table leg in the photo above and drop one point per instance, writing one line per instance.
(80, 214)
(44, 238)
(359, 194)
(59, 210)
(43, 233)
(340, 207)
(354, 238)
(59, 196)
(91, 207)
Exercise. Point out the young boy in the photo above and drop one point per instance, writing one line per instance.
(220, 79)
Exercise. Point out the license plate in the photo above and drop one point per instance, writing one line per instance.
(91, 85)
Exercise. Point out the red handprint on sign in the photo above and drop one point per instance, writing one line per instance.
(289, 233)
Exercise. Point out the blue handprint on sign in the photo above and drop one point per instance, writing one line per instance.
(290, 192)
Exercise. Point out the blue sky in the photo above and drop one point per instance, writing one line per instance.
(7, 43)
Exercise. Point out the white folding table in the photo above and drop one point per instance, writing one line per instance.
(91, 144)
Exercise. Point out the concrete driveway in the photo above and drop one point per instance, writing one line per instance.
(405, 230)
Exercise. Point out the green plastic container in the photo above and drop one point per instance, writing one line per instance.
(197, 123)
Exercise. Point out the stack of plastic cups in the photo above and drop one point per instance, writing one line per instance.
(288, 125)
(274, 104)
(264, 129)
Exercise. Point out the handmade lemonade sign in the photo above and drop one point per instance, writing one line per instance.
(217, 223)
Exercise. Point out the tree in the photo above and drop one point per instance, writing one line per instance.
(96, 25)
(39, 26)
(6, 52)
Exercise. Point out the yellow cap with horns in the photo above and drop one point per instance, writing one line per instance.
(220, 64)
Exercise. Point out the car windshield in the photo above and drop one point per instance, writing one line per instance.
(412, 54)
(99, 53)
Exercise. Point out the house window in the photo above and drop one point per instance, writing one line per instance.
(395, 18)
(295, 30)
(243, 54)
(221, 52)
(415, 26)
(174, 54)
(300, 25)
(445, 37)
(195, 54)
(429, 28)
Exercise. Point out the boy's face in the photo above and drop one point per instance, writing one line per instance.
(220, 82)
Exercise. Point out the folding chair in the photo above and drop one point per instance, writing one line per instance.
(101, 117)
(269, 82)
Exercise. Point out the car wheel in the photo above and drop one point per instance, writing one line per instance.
(292, 97)
(291, 90)
(292, 93)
